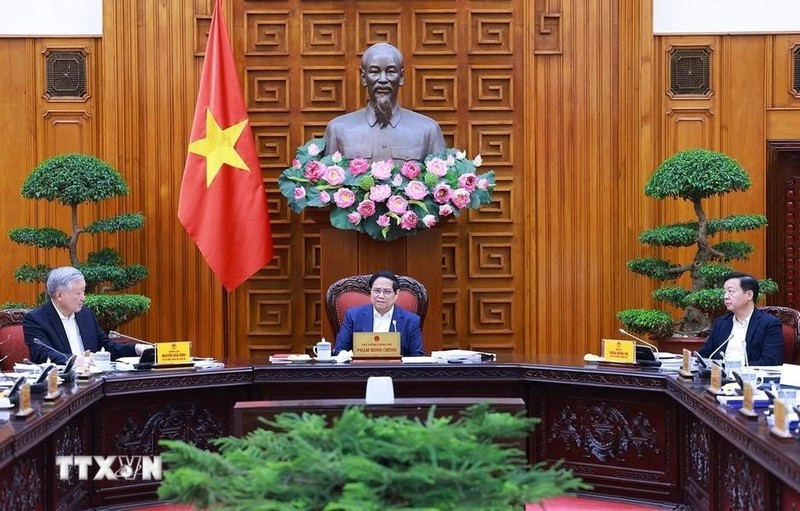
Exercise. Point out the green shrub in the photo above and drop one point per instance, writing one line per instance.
(362, 463)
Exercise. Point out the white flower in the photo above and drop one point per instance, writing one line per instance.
(460, 155)
(477, 161)
(313, 149)
(336, 157)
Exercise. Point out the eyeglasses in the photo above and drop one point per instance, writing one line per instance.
(378, 291)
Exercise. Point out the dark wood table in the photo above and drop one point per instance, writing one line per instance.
(630, 432)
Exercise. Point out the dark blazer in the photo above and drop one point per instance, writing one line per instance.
(44, 324)
(764, 339)
(359, 319)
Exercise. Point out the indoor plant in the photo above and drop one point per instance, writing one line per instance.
(71, 180)
(385, 199)
(693, 175)
(363, 463)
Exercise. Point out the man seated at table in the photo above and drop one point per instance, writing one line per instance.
(382, 316)
(62, 326)
(752, 335)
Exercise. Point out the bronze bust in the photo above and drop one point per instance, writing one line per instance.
(383, 130)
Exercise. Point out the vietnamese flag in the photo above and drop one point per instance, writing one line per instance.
(223, 205)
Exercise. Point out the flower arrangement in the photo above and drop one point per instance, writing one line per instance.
(385, 199)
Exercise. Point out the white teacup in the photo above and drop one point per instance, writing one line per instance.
(5, 402)
(752, 377)
(323, 350)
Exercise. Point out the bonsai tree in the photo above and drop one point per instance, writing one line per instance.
(693, 175)
(72, 180)
(362, 463)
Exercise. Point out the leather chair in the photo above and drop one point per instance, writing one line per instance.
(790, 319)
(12, 341)
(354, 291)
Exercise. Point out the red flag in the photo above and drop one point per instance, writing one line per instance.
(223, 206)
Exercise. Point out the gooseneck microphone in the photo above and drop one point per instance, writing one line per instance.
(113, 334)
(652, 346)
(720, 346)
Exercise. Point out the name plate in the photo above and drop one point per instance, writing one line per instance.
(781, 416)
(619, 351)
(179, 352)
(376, 345)
(686, 364)
(716, 378)
(748, 403)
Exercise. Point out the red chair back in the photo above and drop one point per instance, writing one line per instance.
(790, 319)
(12, 340)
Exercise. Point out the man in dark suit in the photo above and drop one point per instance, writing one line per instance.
(382, 316)
(62, 326)
(751, 334)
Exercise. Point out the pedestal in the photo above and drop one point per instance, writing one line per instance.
(347, 253)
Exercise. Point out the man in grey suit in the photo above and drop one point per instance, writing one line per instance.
(383, 130)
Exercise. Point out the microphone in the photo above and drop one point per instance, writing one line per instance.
(643, 356)
(113, 334)
(651, 346)
(720, 346)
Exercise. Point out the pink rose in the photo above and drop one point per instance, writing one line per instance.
(397, 180)
(442, 193)
(358, 166)
(409, 220)
(429, 220)
(384, 221)
(468, 181)
(344, 197)
(483, 184)
(460, 198)
(382, 169)
(299, 193)
(354, 218)
(324, 197)
(416, 190)
(296, 164)
(437, 166)
(410, 169)
(334, 175)
(315, 170)
(397, 204)
(366, 208)
(336, 157)
(445, 210)
(380, 193)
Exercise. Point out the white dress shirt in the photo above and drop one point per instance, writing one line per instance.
(736, 347)
(73, 333)
(382, 323)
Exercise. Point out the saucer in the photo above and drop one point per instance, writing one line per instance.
(331, 360)
(9, 407)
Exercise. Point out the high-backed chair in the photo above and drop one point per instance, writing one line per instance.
(354, 291)
(12, 341)
(790, 319)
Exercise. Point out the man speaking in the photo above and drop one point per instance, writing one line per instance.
(383, 130)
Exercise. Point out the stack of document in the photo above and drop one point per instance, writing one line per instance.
(463, 356)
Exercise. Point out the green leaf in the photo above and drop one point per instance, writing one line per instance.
(653, 267)
(121, 222)
(73, 179)
(647, 321)
(115, 310)
(44, 237)
(697, 174)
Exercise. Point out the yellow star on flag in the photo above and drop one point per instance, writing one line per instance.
(218, 147)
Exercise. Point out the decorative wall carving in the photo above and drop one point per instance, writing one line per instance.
(547, 34)
(378, 27)
(435, 33)
(192, 424)
(604, 432)
(266, 33)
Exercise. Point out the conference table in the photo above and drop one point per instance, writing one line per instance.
(631, 432)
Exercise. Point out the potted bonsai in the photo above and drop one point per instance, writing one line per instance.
(693, 175)
(366, 463)
(71, 180)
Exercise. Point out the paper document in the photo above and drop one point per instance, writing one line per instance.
(420, 360)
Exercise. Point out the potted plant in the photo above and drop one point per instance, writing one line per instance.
(385, 199)
(693, 175)
(71, 180)
(365, 463)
